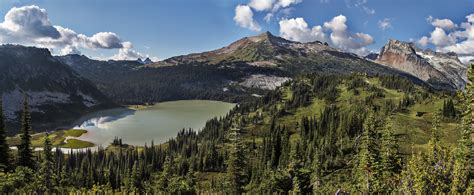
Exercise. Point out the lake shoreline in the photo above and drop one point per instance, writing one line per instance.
(155, 122)
(65, 139)
(180, 111)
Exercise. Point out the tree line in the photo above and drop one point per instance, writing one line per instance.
(339, 148)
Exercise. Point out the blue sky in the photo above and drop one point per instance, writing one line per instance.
(165, 28)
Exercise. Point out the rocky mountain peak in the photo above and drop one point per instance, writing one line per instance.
(147, 61)
(269, 38)
(397, 46)
(441, 70)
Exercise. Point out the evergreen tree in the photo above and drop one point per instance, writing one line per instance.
(47, 177)
(463, 163)
(235, 163)
(366, 171)
(415, 176)
(301, 177)
(166, 174)
(25, 153)
(4, 149)
(438, 159)
(449, 111)
(316, 172)
(390, 160)
(134, 181)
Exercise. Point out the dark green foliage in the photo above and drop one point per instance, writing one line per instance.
(256, 149)
(5, 158)
(367, 173)
(236, 178)
(449, 111)
(397, 82)
(301, 95)
(406, 101)
(25, 153)
(47, 177)
(463, 156)
(390, 160)
(325, 86)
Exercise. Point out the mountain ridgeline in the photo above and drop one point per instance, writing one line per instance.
(309, 119)
(245, 69)
(249, 66)
(442, 71)
(57, 94)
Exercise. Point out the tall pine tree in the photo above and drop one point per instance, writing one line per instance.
(415, 176)
(236, 162)
(47, 177)
(366, 171)
(25, 153)
(4, 149)
(438, 159)
(463, 163)
(390, 160)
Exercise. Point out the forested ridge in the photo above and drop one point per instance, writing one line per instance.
(315, 134)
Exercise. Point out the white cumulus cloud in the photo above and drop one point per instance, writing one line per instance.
(450, 37)
(30, 25)
(296, 29)
(335, 32)
(261, 5)
(69, 49)
(286, 3)
(244, 18)
(440, 39)
(346, 40)
(424, 41)
(244, 15)
(441, 23)
(127, 53)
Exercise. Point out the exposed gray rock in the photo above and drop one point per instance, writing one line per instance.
(260, 81)
(442, 71)
(56, 94)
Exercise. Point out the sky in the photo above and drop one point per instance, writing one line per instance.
(159, 29)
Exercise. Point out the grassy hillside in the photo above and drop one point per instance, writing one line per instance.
(407, 107)
(414, 130)
(316, 134)
(63, 139)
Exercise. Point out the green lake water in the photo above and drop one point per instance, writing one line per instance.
(158, 123)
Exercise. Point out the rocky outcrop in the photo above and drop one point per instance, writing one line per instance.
(56, 94)
(442, 71)
(266, 82)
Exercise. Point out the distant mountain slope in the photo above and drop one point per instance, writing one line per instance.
(245, 68)
(442, 71)
(267, 50)
(93, 69)
(56, 94)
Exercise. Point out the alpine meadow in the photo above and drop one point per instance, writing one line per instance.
(300, 97)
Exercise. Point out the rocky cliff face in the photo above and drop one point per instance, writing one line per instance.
(442, 71)
(269, 51)
(56, 94)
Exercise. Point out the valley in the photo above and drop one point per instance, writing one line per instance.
(262, 115)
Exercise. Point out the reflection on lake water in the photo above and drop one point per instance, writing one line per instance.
(158, 123)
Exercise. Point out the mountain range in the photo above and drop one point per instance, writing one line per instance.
(71, 85)
(440, 70)
(56, 94)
